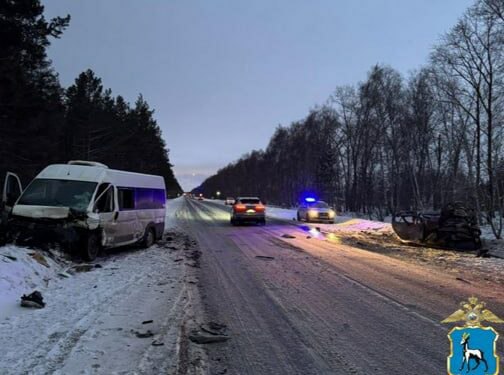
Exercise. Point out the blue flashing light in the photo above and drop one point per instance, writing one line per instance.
(310, 199)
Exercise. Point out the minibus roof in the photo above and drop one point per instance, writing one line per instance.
(101, 174)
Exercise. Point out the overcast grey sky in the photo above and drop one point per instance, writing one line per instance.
(222, 74)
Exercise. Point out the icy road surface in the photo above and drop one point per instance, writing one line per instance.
(127, 317)
(351, 302)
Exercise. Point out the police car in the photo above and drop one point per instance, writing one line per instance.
(312, 210)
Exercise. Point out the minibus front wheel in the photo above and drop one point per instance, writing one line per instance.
(91, 246)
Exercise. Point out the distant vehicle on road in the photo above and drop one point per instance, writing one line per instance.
(86, 206)
(248, 209)
(229, 201)
(312, 210)
(200, 197)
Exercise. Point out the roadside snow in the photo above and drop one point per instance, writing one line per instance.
(20, 274)
(25, 274)
(123, 316)
(342, 223)
(91, 321)
(172, 207)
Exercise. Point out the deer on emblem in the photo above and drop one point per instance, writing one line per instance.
(469, 354)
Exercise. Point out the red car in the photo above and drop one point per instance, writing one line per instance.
(248, 209)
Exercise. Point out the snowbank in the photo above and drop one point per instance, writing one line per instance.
(342, 223)
(21, 273)
(123, 316)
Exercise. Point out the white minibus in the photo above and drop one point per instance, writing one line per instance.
(85, 206)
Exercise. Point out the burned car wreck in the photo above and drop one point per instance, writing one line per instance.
(454, 227)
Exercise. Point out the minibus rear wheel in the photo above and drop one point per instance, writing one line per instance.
(149, 237)
(91, 247)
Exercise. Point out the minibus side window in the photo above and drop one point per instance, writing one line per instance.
(146, 198)
(105, 203)
(159, 198)
(126, 199)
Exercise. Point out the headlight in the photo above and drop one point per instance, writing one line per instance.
(312, 213)
(332, 214)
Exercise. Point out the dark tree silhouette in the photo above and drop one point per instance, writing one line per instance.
(42, 123)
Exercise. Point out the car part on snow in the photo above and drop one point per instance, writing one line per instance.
(209, 333)
(84, 267)
(455, 227)
(10, 257)
(33, 300)
(144, 334)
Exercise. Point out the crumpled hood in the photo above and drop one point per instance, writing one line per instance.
(40, 212)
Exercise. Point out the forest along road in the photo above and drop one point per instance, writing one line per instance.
(309, 305)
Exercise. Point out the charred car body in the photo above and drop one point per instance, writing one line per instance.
(455, 227)
(84, 206)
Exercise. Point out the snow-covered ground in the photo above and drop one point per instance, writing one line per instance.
(122, 316)
(21, 271)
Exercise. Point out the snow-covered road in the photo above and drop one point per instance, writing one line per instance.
(122, 317)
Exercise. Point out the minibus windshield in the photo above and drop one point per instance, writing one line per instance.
(58, 193)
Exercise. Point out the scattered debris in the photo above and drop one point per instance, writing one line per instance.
(265, 257)
(179, 260)
(317, 229)
(157, 343)
(308, 237)
(40, 259)
(483, 253)
(9, 256)
(209, 333)
(85, 267)
(193, 255)
(148, 321)
(33, 300)
(64, 274)
(214, 328)
(461, 279)
(143, 335)
(201, 338)
(285, 235)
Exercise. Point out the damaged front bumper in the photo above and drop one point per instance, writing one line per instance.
(65, 233)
